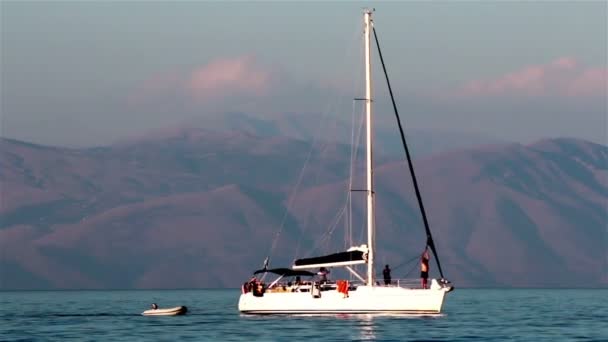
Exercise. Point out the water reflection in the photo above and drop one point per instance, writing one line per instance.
(367, 327)
(354, 327)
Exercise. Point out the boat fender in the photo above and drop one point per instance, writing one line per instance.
(315, 291)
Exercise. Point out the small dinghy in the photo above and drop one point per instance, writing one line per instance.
(155, 311)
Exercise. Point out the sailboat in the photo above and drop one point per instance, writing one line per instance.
(316, 295)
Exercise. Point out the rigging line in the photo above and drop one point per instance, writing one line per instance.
(429, 237)
(410, 271)
(355, 151)
(348, 233)
(292, 196)
(347, 197)
(405, 263)
(354, 145)
(373, 225)
(327, 235)
(335, 225)
(355, 141)
(335, 221)
(362, 228)
(336, 104)
(363, 224)
(316, 175)
(322, 148)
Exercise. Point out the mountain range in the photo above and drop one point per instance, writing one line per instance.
(188, 207)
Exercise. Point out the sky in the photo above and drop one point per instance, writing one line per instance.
(84, 73)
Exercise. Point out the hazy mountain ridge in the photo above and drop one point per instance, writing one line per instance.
(328, 128)
(200, 209)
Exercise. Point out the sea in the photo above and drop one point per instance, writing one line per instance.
(469, 315)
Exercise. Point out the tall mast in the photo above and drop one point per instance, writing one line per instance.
(368, 119)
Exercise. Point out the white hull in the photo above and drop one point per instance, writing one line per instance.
(178, 310)
(364, 299)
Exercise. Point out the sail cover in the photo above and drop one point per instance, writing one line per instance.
(354, 256)
(286, 272)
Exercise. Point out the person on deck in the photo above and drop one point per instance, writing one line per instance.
(323, 273)
(386, 273)
(251, 284)
(424, 268)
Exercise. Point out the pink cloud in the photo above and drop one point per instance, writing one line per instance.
(562, 77)
(565, 63)
(590, 83)
(241, 76)
(224, 76)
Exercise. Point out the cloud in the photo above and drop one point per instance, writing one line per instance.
(591, 82)
(564, 76)
(240, 83)
(225, 76)
(215, 81)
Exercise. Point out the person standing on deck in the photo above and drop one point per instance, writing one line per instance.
(424, 268)
(386, 273)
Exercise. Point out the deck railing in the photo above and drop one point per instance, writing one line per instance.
(412, 283)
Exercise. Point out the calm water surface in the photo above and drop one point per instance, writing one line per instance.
(469, 314)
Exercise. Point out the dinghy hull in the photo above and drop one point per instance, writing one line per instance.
(178, 310)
